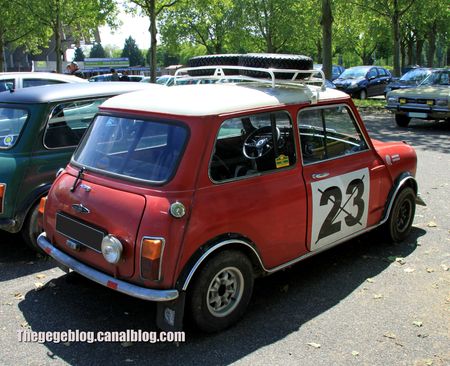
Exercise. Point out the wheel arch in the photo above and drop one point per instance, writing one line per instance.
(28, 203)
(403, 180)
(230, 241)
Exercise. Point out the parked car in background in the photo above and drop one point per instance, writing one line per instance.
(184, 195)
(409, 80)
(336, 70)
(39, 130)
(19, 80)
(429, 101)
(363, 81)
(107, 77)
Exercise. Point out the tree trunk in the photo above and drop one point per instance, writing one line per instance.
(419, 48)
(327, 22)
(403, 54)
(319, 51)
(153, 41)
(2, 52)
(410, 46)
(57, 35)
(431, 45)
(396, 32)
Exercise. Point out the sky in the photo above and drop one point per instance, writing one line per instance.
(134, 26)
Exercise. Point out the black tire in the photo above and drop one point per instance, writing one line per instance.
(402, 120)
(398, 226)
(363, 94)
(278, 61)
(213, 316)
(30, 229)
(213, 60)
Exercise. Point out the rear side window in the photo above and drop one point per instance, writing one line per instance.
(11, 124)
(141, 149)
(251, 145)
(328, 133)
(68, 122)
(27, 83)
(7, 84)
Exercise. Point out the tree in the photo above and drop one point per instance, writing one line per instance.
(19, 27)
(132, 51)
(97, 51)
(79, 55)
(152, 9)
(78, 18)
(394, 11)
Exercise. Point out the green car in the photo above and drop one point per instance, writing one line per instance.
(429, 101)
(39, 130)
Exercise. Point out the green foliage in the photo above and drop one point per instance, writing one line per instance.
(97, 51)
(131, 50)
(79, 55)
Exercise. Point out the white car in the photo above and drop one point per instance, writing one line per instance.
(18, 80)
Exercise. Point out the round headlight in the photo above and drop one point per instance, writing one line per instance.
(111, 249)
(441, 102)
(392, 100)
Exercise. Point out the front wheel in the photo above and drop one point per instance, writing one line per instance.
(401, 218)
(402, 120)
(221, 291)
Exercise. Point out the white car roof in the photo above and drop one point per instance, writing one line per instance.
(215, 99)
(42, 75)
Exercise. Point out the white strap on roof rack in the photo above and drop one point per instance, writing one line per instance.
(219, 74)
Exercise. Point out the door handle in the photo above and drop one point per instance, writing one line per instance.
(320, 175)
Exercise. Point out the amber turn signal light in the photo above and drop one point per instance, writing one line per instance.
(151, 252)
(2, 194)
(42, 202)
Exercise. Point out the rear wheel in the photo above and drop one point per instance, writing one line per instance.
(402, 120)
(31, 230)
(221, 292)
(398, 226)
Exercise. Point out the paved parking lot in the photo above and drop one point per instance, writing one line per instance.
(362, 303)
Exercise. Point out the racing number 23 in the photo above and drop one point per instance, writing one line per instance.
(354, 191)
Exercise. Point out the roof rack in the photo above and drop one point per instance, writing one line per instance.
(219, 74)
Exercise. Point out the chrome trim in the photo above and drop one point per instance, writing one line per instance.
(103, 279)
(160, 258)
(80, 208)
(320, 175)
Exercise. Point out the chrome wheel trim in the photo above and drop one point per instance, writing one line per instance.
(225, 292)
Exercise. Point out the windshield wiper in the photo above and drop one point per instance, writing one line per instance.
(80, 173)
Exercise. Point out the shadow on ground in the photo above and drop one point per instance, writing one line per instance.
(426, 135)
(281, 304)
(17, 260)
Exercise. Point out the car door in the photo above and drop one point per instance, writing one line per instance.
(373, 86)
(340, 171)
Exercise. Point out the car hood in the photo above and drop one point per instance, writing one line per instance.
(442, 91)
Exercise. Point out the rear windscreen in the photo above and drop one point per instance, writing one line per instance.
(141, 149)
(11, 124)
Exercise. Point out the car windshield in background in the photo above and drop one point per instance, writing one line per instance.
(356, 72)
(415, 76)
(11, 123)
(437, 78)
(139, 149)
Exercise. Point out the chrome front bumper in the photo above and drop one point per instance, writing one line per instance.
(104, 279)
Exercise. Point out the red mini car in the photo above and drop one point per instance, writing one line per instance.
(183, 196)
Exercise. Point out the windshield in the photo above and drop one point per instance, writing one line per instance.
(437, 78)
(11, 123)
(141, 149)
(355, 72)
(415, 76)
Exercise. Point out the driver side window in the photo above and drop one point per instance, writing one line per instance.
(328, 133)
(251, 145)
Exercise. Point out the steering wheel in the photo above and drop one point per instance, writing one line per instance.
(259, 142)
